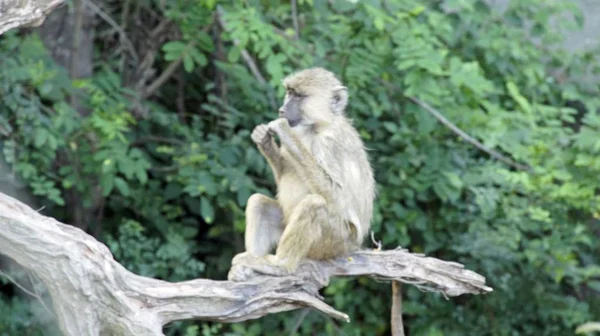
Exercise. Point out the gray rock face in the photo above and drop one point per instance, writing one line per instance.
(590, 33)
(591, 30)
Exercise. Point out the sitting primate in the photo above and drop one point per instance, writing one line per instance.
(325, 183)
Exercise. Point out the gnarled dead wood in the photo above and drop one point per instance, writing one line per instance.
(25, 13)
(427, 273)
(93, 294)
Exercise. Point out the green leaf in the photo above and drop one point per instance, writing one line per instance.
(141, 175)
(205, 42)
(188, 63)
(172, 56)
(122, 186)
(40, 137)
(390, 126)
(107, 182)
(207, 183)
(207, 210)
(242, 196)
(516, 95)
(198, 57)
(379, 23)
(454, 179)
(174, 50)
(417, 10)
(46, 89)
(595, 285)
(173, 47)
(234, 54)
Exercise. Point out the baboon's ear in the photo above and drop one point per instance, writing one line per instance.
(339, 100)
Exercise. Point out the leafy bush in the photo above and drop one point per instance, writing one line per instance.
(167, 188)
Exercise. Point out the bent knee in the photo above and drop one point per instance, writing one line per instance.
(257, 199)
(315, 201)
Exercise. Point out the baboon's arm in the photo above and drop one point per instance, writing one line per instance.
(319, 181)
(270, 151)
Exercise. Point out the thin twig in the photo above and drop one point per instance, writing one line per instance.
(295, 19)
(467, 137)
(460, 132)
(27, 291)
(124, 39)
(160, 27)
(301, 318)
(164, 76)
(38, 295)
(375, 242)
(11, 279)
(245, 55)
(153, 138)
(180, 101)
(171, 68)
(248, 59)
(220, 55)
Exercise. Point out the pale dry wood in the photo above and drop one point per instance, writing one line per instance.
(25, 13)
(426, 273)
(396, 314)
(92, 294)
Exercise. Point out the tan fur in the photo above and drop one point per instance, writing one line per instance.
(324, 180)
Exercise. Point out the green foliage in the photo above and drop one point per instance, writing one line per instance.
(171, 184)
(16, 318)
(151, 257)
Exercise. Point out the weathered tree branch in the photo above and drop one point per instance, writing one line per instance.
(25, 13)
(427, 273)
(93, 294)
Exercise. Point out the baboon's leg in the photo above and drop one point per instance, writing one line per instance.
(309, 232)
(264, 224)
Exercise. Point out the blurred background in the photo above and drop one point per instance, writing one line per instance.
(131, 120)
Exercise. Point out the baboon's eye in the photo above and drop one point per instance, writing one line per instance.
(297, 94)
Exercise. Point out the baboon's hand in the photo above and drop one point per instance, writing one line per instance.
(278, 124)
(261, 135)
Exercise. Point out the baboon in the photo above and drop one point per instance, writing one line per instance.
(325, 183)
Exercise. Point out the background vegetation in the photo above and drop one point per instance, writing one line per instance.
(148, 147)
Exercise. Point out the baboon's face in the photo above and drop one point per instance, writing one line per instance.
(292, 107)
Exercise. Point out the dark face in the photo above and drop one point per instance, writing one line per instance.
(291, 109)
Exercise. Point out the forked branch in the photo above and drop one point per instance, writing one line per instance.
(92, 293)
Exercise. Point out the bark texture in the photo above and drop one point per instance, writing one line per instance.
(396, 314)
(92, 294)
(25, 13)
